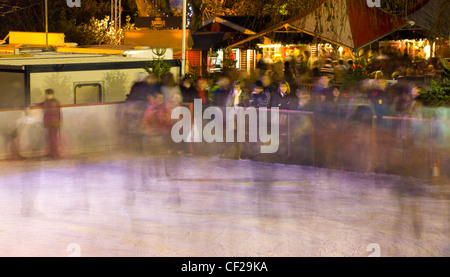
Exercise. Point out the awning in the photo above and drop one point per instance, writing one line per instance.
(124, 50)
(349, 23)
(433, 17)
(35, 38)
(207, 40)
(158, 38)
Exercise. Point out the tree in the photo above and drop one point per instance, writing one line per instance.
(229, 63)
(28, 15)
(278, 10)
(438, 95)
(158, 66)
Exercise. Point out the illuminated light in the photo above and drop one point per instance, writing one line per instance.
(269, 45)
(427, 50)
(36, 38)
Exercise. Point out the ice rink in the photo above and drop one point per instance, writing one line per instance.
(103, 204)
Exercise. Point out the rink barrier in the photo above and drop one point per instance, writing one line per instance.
(423, 144)
(392, 148)
(237, 149)
(356, 146)
(87, 127)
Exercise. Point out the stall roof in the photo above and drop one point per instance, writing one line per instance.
(63, 58)
(218, 29)
(51, 62)
(35, 38)
(158, 38)
(244, 24)
(125, 50)
(433, 17)
(207, 40)
(349, 23)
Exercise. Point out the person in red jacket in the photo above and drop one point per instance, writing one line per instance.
(157, 122)
(52, 122)
(157, 125)
(202, 89)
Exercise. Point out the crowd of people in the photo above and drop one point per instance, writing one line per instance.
(145, 115)
(304, 84)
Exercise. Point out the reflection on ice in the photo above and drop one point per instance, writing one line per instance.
(120, 205)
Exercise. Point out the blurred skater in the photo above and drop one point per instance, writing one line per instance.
(157, 124)
(11, 134)
(130, 112)
(52, 122)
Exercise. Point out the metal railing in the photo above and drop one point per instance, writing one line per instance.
(383, 145)
(395, 145)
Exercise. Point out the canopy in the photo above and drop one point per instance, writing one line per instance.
(35, 38)
(349, 23)
(433, 17)
(158, 38)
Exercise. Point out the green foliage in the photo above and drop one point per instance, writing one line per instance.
(356, 74)
(228, 63)
(193, 69)
(277, 9)
(158, 66)
(75, 23)
(446, 67)
(439, 95)
(98, 32)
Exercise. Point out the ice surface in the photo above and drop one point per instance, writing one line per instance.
(126, 205)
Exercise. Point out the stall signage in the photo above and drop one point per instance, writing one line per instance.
(169, 22)
(158, 23)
